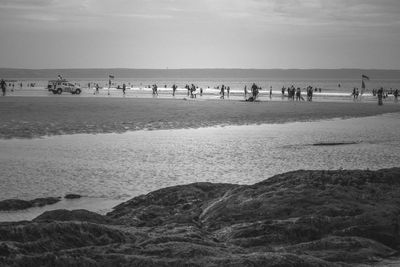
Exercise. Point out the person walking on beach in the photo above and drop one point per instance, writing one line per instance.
(254, 90)
(188, 89)
(192, 91)
(123, 89)
(298, 94)
(380, 96)
(3, 87)
(173, 89)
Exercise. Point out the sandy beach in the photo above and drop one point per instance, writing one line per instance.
(29, 117)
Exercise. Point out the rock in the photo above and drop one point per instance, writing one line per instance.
(17, 204)
(334, 143)
(40, 202)
(14, 204)
(301, 218)
(349, 249)
(72, 215)
(177, 204)
(72, 196)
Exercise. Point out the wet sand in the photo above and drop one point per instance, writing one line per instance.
(30, 117)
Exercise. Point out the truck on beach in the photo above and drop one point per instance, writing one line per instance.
(60, 86)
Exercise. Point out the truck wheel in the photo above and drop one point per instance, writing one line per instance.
(78, 91)
(59, 91)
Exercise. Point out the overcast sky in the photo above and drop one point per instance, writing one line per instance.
(200, 33)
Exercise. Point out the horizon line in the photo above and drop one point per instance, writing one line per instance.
(120, 68)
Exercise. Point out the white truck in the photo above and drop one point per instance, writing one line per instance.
(60, 86)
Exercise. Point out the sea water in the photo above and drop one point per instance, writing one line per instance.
(107, 169)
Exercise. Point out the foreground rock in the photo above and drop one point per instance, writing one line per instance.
(18, 204)
(302, 218)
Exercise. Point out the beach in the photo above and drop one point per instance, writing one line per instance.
(30, 117)
(111, 149)
(155, 173)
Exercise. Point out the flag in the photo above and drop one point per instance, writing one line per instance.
(111, 76)
(365, 77)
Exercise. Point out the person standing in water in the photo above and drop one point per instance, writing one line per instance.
(270, 92)
(245, 92)
(123, 89)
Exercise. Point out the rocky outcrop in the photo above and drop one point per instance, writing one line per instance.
(72, 196)
(72, 215)
(302, 218)
(18, 204)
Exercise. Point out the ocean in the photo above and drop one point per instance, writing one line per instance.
(335, 80)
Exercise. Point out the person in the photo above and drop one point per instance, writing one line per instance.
(270, 92)
(155, 89)
(123, 88)
(3, 87)
(396, 94)
(173, 89)
(245, 92)
(188, 89)
(97, 88)
(12, 89)
(283, 91)
(201, 91)
(293, 92)
(228, 89)
(20, 85)
(222, 92)
(254, 90)
(298, 94)
(192, 91)
(380, 96)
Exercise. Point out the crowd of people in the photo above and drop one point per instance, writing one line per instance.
(250, 95)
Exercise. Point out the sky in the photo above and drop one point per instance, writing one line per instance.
(200, 34)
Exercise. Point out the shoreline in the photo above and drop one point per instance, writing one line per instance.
(33, 117)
